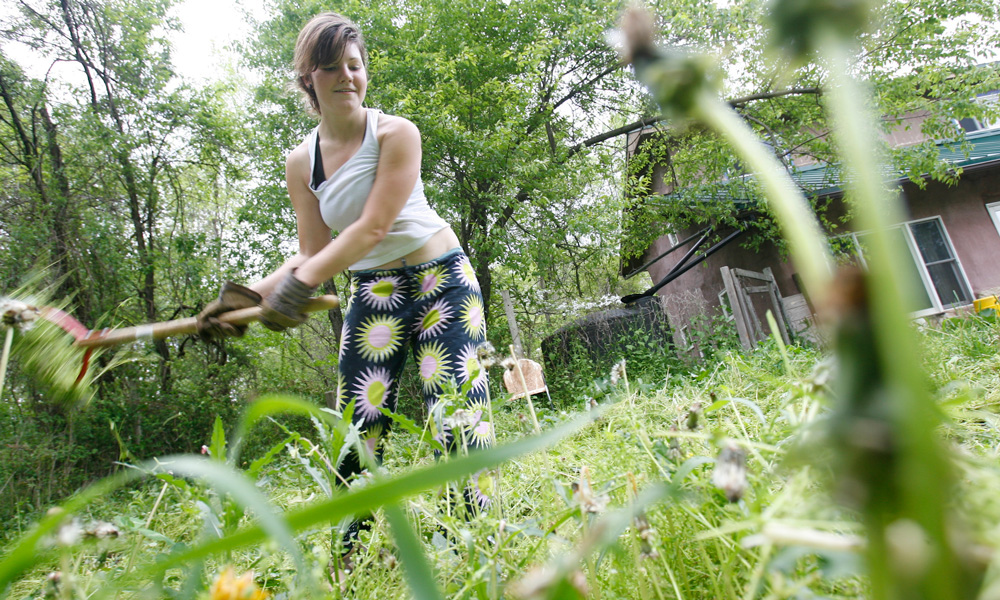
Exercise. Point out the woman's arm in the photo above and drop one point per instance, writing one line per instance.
(313, 232)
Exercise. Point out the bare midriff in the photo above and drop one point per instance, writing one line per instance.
(440, 243)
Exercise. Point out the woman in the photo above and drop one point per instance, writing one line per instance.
(358, 173)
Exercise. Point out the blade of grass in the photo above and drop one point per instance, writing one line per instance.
(417, 569)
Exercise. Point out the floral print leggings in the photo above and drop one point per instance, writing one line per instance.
(437, 309)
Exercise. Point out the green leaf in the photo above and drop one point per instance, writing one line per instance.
(411, 426)
(218, 445)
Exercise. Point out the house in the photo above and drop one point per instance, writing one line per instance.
(952, 235)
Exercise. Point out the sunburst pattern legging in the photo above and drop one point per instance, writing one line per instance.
(436, 309)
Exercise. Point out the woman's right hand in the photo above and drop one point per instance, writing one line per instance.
(232, 296)
(284, 307)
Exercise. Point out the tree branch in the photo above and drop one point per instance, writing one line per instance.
(736, 102)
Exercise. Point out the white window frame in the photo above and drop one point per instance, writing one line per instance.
(918, 260)
(994, 209)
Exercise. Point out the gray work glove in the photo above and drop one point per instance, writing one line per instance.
(232, 296)
(283, 307)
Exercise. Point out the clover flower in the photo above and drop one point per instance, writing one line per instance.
(508, 363)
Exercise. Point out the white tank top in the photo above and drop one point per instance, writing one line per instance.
(343, 194)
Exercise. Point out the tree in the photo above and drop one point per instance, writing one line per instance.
(920, 58)
(110, 170)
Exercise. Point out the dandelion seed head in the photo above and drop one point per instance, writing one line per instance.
(618, 372)
(69, 534)
(103, 530)
(485, 351)
(14, 313)
(730, 473)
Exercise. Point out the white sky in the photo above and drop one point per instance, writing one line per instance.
(199, 53)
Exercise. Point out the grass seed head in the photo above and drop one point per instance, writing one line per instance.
(691, 421)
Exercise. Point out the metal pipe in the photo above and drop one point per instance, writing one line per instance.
(678, 245)
(674, 275)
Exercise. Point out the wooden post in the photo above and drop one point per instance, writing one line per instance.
(737, 307)
(779, 307)
(515, 333)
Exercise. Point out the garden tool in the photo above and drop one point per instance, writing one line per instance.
(44, 352)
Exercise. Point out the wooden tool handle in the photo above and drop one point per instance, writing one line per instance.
(158, 331)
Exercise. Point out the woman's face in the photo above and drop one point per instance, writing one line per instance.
(343, 84)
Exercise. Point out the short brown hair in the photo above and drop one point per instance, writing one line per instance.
(320, 43)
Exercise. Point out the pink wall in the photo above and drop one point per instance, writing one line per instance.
(962, 209)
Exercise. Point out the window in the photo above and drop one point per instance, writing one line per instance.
(994, 210)
(935, 264)
(970, 124)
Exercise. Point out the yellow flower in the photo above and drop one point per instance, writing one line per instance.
(229, 587)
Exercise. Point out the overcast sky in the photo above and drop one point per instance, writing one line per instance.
(198, 52)
(209, 25)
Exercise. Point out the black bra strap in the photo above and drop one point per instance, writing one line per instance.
(318, 175)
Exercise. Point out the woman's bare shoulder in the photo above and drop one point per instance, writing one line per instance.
(393, 126)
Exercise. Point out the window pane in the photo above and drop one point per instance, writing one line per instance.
(969, 124)
(950, 288)
(931, 241)
(918, 296)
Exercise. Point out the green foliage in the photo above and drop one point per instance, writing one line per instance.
(229, 494)
(661, 526)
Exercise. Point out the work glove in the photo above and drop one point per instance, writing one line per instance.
(283, 308)
(232, 296)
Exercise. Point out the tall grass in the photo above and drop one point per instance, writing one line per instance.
(645, 520)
